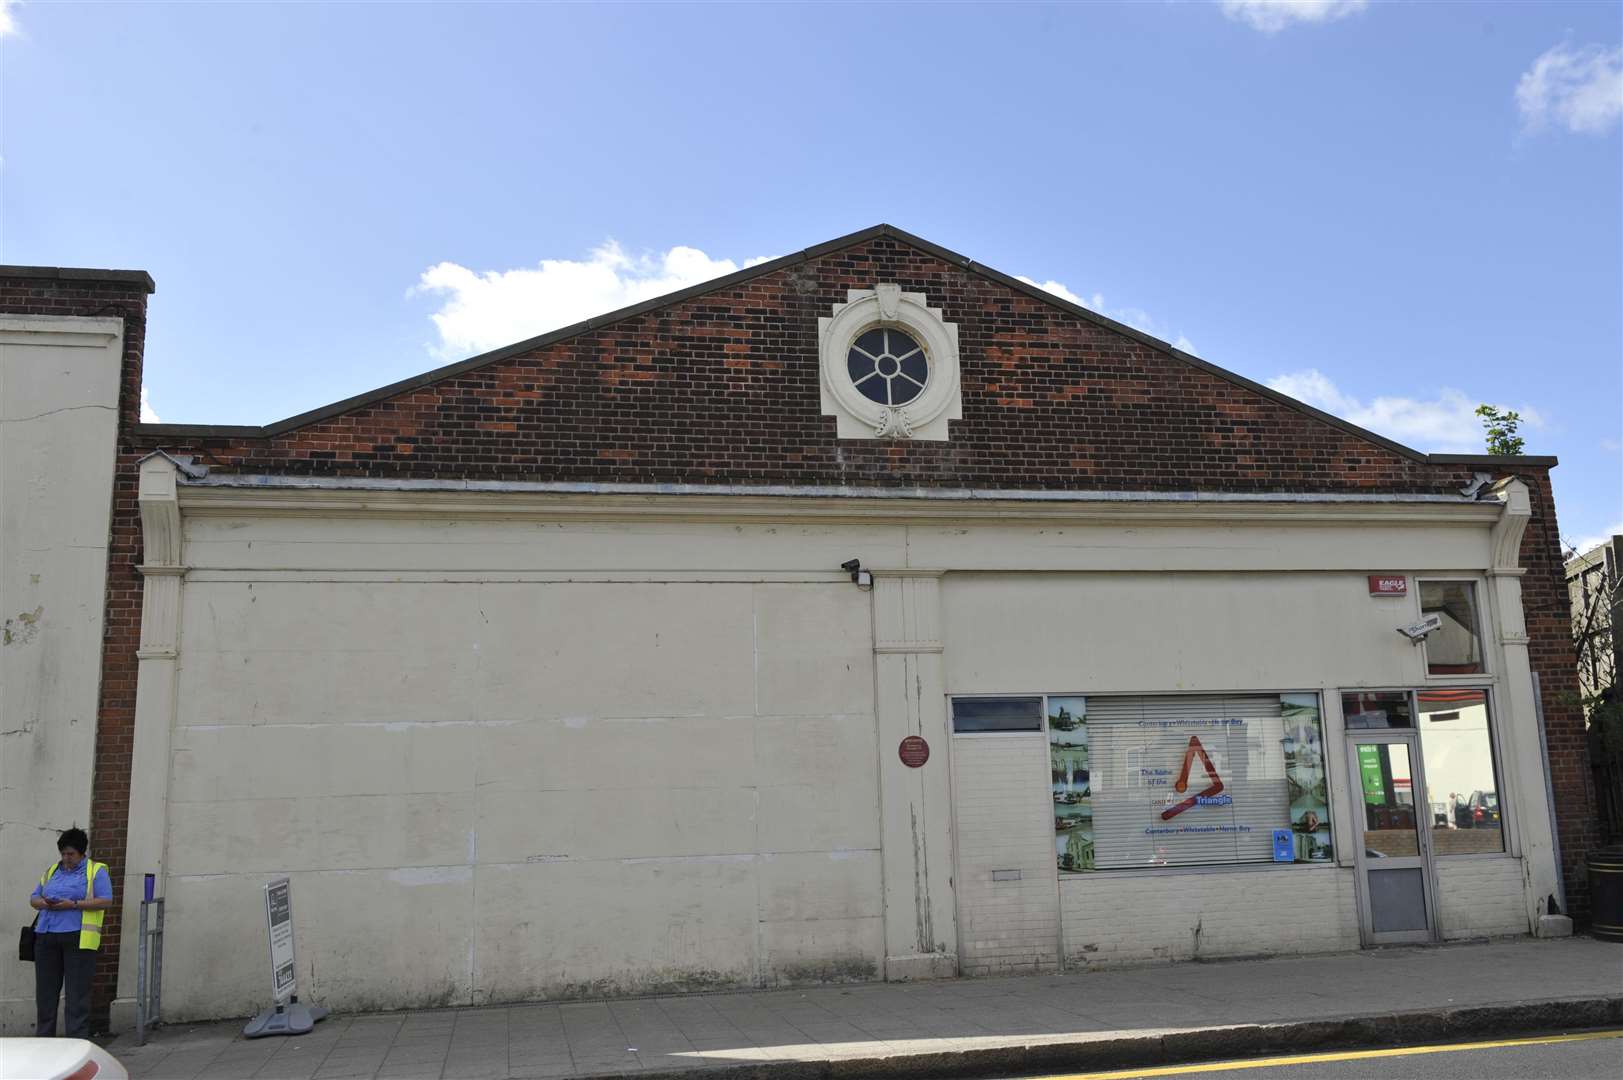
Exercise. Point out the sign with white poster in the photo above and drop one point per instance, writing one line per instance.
(279, 920)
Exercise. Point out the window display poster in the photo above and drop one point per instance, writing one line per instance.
(1369, 771)
(1068, 765)
(1187, 780)
(1306, 776)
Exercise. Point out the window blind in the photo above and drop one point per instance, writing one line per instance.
(1227, 750)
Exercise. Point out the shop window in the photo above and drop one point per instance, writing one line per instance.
(1462, 789)
(1187, 781)
(971, 715)
(1377, 709)
(1455, 648)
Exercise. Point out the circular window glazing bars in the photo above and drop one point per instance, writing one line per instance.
(887, 366)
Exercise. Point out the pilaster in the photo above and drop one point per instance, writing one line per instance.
(921, 936)
(162, 574)
(1523, 764)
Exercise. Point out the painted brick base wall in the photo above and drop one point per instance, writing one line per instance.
(1480, 898)
(1136, 918)
(1004, 820)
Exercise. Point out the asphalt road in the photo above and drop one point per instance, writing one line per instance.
(1581, 1056)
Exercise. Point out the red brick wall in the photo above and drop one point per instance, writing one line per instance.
(724, 389)
(1550, 650)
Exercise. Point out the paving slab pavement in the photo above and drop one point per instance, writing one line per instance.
(964, 1027)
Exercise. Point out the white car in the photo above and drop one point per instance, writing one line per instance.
(57, 1059)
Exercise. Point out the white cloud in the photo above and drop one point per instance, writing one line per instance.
(1586, 544)
(1272, 16)
(1446, 423)
(482, 311)
(8, 21)
(147, 415)
(1134, 317)
(1578, 89)
(1611, 446)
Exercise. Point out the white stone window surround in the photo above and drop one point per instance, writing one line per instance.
(886, 305)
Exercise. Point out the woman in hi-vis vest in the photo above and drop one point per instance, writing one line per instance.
(71, 899)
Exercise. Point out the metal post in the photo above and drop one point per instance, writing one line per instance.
(141, 980)
(157, 964)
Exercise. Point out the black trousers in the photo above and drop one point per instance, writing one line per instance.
(60, 964)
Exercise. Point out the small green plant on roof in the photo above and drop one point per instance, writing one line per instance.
(1500, 428)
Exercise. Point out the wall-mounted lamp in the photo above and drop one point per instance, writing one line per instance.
(862, 578)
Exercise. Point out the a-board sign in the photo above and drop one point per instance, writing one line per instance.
(1388, 585)
(913, 751)
(279, 921)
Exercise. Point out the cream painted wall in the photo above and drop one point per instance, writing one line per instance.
(58, 419)
(510, 747)
(507, 791)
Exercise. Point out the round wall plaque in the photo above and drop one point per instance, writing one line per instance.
(913, 751)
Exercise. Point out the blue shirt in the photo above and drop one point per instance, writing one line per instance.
(68, 884)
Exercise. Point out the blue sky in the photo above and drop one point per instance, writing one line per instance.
(1393, 211)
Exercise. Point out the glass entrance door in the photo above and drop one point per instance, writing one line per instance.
(1394, 849)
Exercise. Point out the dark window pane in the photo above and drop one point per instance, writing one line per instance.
(873, 342)
(1453, 648)
(997, 714)
(1376, 709)
(874, 389)
(916, 367)
(903, 390)
(900, 343)
(858, 365)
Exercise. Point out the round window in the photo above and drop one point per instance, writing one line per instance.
(887, 366)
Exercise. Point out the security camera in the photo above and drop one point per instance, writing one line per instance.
(862, 578)
(1416, 632)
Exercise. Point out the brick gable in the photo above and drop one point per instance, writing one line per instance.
(723, 388)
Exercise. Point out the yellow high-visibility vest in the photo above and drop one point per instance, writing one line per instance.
(89, 921)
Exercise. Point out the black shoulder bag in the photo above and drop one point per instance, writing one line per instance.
(25, 943)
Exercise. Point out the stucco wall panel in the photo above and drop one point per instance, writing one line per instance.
(272, 836)
(1170, 632)
(1197, 546)
(458, 546)
(638, 817)
(59, 386)
(413, 950)
(266, 761)
(820, 885)
(590, 928)
(346, 652)
(625, 777)
(821, 950)
(814, 651)
(576, 753)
